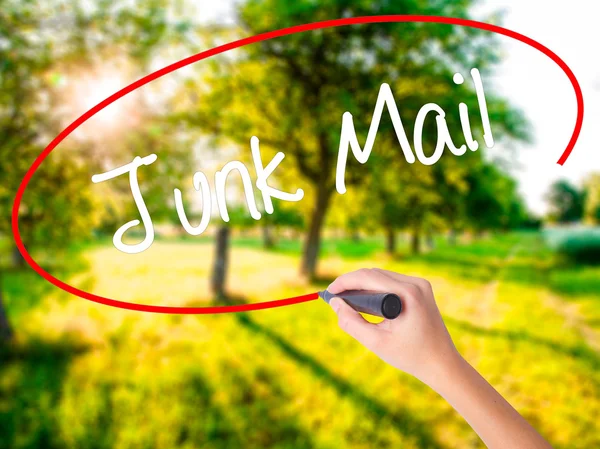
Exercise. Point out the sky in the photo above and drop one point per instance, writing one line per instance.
(535, 84)
(541, 89)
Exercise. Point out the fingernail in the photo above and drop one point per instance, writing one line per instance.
(335, 304)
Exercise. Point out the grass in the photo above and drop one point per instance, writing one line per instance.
(82, 375)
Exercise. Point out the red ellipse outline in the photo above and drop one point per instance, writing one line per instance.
(230, 46)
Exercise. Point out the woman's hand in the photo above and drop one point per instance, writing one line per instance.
(416, 342)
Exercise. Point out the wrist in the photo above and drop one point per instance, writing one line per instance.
(445, 371)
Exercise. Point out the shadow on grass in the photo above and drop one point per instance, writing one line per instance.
(32, 392)
(469, 267)
(573, 280)
(32, 376)
(581, 352)
(254, 423)
(214, 425)
(263, 417)
(593, 323)
(403, 421)
(23, 288)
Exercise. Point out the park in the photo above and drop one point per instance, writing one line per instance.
(362, 145)
(253, 379)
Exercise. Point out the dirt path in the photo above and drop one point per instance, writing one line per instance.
(574, 319)
(570, 311)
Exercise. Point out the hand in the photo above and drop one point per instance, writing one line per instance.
(416, 342)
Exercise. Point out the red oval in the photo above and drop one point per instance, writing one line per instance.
(230, 46)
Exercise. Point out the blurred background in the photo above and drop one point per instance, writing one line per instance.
(509, 240)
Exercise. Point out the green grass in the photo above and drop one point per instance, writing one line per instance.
(347, 248)
(83, 375)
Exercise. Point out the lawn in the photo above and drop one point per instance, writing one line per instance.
(83, 375)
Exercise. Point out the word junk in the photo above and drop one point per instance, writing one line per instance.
(348, 140)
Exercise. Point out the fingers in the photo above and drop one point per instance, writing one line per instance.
(363, 279)
(352, 322)
(423, 283)
(374, 279)
(398, 276)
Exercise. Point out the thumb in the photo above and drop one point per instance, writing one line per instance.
(352, 322)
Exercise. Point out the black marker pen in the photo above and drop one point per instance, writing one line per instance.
(385, 305)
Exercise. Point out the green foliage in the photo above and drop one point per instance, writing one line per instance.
(40, 44)
(492, 201)
(240, 218)
(291, 92)
(285, 217)
(566, 202)
(22, 60)
(581, 245)
(58, 207)
(592, 198)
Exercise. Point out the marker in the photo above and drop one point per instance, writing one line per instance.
(385, 305)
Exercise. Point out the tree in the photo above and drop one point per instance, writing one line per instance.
(566, 202)
(221, 262)
(292, 91)
(21, 62)
(592, 198)
(489, 199)
(426, 199)
(38, 45)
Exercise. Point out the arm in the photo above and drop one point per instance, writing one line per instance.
(418, 343)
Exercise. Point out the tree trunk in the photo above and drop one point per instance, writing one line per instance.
(219, 272)
(17, 258)
(415, 243)
(390, 240)
(5, 329)
(312, 243)
(268, 239)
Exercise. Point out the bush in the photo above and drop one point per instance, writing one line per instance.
(581, 245)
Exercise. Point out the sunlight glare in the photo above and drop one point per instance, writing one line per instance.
(86, 90)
